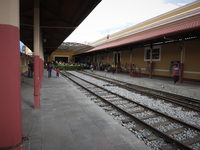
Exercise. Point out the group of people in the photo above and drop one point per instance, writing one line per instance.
(49, 69)
(176, 70)
(137, 70)
(66, 63)
(106, 68)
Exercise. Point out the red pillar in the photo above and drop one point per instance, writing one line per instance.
(181, 74)
(42, 68)
(41, 71)
(130, 66)
(36, 54)
(36, 83)
(10, 81)
(150, 63)
(182, 61)
(131, 73)
(150, 70)
(116, 67)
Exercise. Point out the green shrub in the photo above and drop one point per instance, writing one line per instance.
(61, 67)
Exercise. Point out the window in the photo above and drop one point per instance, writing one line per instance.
(115, 59)
(156, 53)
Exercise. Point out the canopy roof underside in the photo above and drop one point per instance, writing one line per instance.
(58, 19)
(72, 46)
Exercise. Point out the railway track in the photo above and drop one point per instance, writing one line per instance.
(159, 124)
(186, 102)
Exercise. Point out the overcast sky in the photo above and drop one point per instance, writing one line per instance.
(111, 16)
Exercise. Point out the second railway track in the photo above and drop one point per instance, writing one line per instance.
(160, 125)
(186, 102)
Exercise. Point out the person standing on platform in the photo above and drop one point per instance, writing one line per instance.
(91, 68)
(176, 73)
(113, 68)
(30, 70)
(49, 70)
(57, 72)
(105, 69)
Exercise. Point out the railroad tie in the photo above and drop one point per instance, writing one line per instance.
(103, 105)
(114, 100)
(109, 109)
(161, 123)
(137, 111)
(147, 117)
(132, 106)
(116, 114)
(139, 128)
(191, 141)
(97, 101)
(127, 120)
(175, 131)
(152, 137)
(170, 147)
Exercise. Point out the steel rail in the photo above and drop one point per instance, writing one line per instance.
(156, 131)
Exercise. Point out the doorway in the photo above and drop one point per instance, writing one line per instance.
(117, 57)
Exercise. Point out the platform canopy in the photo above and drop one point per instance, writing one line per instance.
(186, 31)
(73, 46)
(58, 19)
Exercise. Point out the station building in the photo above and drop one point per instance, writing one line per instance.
(154, 45)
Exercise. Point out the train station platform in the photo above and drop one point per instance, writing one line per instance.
(188, 89)
(68, 120)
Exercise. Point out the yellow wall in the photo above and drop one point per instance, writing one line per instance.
(192, 56)
(138, 57)
(110, 57)
(24, 64)
(125, 57)
(103, 56)
(63, 53)
(169, 52)
(172, 52)
(192, 59)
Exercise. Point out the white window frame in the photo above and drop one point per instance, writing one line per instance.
(154, 47)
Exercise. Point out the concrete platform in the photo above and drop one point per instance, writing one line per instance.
(189, 89)
(68, 120)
